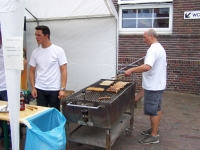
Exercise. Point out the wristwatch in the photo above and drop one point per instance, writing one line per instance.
(62, 89)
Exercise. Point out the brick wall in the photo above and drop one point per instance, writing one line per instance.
(182, 48)
(181, 26)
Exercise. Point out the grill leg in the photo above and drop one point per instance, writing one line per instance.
(132, 114)
(108, 146)
(67, 136)
(131, 127)
(68, 147)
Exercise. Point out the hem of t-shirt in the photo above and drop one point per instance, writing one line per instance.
(48, 89)
(154, 89)
(63, 63)
(31, 65)
(147, 63)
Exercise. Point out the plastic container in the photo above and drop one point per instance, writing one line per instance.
(22, 102)
(46, 131)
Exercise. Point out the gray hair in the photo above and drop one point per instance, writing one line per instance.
(152, 32)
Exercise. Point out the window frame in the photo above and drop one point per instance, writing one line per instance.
(141, 1)
(143, 6)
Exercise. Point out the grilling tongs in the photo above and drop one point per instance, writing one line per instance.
(130, 65)
(119, 76)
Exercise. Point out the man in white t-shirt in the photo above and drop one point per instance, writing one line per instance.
(49, 63)
(154, 72)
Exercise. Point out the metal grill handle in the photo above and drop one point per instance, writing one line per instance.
(83, 106)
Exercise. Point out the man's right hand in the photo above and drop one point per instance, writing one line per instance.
(128, 72)
(34, 92)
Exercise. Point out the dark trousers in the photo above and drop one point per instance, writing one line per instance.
(3, 97)
(48, 99)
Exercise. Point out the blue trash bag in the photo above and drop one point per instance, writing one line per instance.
(46, 131)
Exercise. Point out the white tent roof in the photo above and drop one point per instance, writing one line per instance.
(51, 9)
(87, 31)
(90, 44)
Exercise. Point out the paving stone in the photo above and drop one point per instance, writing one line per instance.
(179, 127)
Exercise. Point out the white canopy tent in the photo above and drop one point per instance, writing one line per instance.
(11, 20)
(85, 29)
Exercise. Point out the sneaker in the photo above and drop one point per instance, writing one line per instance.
(148, 132)
(150, 140)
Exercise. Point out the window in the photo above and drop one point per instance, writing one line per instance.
(137, 18)
(141, 1)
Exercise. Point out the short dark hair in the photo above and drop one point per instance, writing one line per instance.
(45, 30)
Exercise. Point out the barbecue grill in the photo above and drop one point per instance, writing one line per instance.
(85, 109)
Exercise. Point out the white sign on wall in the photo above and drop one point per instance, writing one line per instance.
(192, 15)
(13, 53)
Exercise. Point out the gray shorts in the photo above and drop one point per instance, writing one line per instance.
(152, 102)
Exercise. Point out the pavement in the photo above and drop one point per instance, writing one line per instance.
(179, 127)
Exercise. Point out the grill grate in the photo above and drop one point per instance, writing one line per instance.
(91, 96)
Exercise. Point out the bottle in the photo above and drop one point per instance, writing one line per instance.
(22, 102)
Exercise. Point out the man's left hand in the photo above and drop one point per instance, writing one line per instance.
(62, 94)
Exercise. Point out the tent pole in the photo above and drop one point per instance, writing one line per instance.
(71, 18)
(33, 16)
(108, 6)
